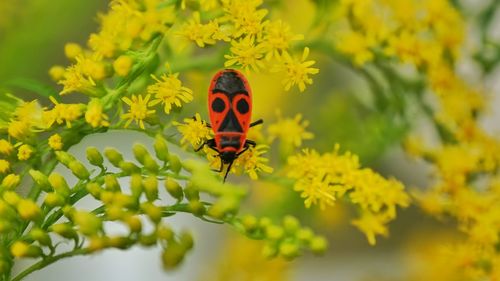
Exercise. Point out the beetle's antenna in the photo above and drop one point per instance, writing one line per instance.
(227, 171)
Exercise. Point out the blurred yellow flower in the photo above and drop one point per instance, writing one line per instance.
(252, 161)
(277, 38)
(55, 142)
(61, 113)
(246, 53)
(371, 225)
(6, 147)
(290, 131)
(138, 110)
(24, 152)
(4, 166)
(95, 115)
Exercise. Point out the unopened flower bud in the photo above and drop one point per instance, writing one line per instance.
(175, 163)
(289, 250)
(291, 224)
(196, 208)
(6, 227)
(59, 184)
(119, 242)
(136, 185)
(65, 230)
(165, 233)
(89, 224)
(150, 164)
(94, 156)
(97, 243)
(173, 255)
(274, 232)
(122, 65)
(41, 236)
(174, 189)
(250, 223)
(151, 188)
(134, 223)
(113, 156)
(11, 181)
(11, 197)
(115, 212)
(140, 152)
(6, 211)
(111, 183)
(191, 192)
(54, 199)
(72, 50)
(94, 189)
(269, 251)
(29, 210)
(40, 179)
(305, 234)
(129, 168)
(79, 170)
(186, 240)
(318, 245)
(21, 249)
(64, 157)
(161, 148)
(152, 211)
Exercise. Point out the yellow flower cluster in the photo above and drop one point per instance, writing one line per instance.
(323, 178)
(255, 42)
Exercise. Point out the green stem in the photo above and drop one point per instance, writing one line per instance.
(47, 261)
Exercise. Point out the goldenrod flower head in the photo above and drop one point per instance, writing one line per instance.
(74, 80)
(6, 147)
(169, 91)
(371, 225)
(61, 113)
(407, 47)
(29, 112)
(55, 142)
(122, 65)
(19, 129)
(201, 34)
(277, 38)
(21, 249)
(91, 67)
(138, 110)
(72, 50)
(56, 73)
(356, 45)
(297, 71)
(194, 130)
(290, 131)
(252, 161)
(24, 152)
(95, 115)
(4, 166)
(246, 53)
(245, 16)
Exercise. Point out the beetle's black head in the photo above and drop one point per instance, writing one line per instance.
(231, 83)
(228, 156)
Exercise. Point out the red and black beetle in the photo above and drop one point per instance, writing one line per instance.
(230, 110)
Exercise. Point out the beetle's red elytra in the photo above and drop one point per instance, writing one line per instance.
(230, 111)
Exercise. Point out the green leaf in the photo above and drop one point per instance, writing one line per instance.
(34, 86)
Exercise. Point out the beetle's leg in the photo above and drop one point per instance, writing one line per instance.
(250, 142)
(258, 122)
(210, 143)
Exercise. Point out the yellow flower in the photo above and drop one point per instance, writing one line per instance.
(19, 129)
(252, 162)
(6, 147)
(246, 53)
(4, 166)
(72, 50)
(122, 65)
(290, 131)
(94, 114)
(61, 113)
(169, 91)
(356, 45)
(246, 17)
(371, 225)
(277, 38)
(55, 142)
(10, 182)
(195, 31)
(29, 112)
(25, 151)
(138, 110)
(194, 130)
(56, 72)
(297, 71)
(75, 81)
